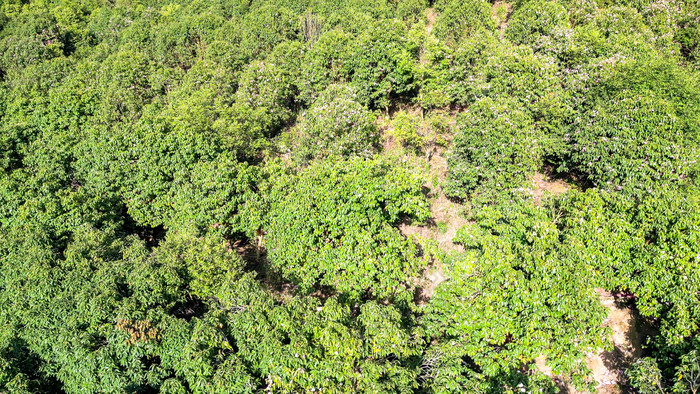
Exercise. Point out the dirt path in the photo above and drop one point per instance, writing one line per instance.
(542, 184)
(627, 337)
(501, 12)
(446, 218)
(608, 367)
(431, 15)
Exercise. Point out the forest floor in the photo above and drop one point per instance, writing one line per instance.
(446, 217)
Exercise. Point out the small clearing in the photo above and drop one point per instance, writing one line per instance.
(542, 184)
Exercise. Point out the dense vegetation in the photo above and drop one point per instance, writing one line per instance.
(209, 196)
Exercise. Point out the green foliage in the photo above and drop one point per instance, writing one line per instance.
(646, 248)
(380, 63)
(265, 27)
(411, 10)
(639, 133)
(631, 142)
(324, 64)
(266, 94)
(405, 128)
(515, 296)
(333, 226)
(646, 377)
(190, 199)
(534, 19)
(335, 125)
(460, 19)
(495, 149)
(453, 77)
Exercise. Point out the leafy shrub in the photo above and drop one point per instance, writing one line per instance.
(333, 226)
(30, 38)
(323, 64)
(411, 10)
(335, 125)
(455, 75)
(496, 147)
(380, 63)
(645, 376)
(515, 266)
(115, 298)
(265, 27)
(533, 79)
(460, 19)
(405, 128)
(631, 142)
(687, 35)
(534, 19)
(267, 95)
(645, 248)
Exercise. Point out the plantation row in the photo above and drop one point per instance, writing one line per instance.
(209, 196)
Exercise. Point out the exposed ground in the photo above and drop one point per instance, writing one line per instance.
(501, 11)
(628, 337)
(431, 16)
(543, 184)
(446, 217)
(629, 333)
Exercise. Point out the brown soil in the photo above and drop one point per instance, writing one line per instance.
(628, 336)
(431, 15)
(542, 184)
(629, 332)
(446, 217)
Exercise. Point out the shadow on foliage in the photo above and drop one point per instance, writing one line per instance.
(191, 307)
(25, 369)
(152, 236)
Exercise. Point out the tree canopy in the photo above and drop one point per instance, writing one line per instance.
(406, 196)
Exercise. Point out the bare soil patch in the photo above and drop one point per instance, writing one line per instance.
(542, 184)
